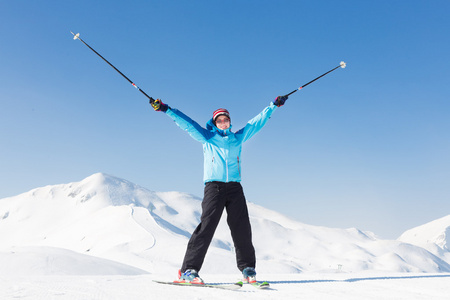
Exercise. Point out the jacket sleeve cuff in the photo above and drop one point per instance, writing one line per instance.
(272, 105)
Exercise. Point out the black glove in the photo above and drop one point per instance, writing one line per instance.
(158, 105)
(279, 101)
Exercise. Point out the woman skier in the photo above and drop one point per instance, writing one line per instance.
(222, 176)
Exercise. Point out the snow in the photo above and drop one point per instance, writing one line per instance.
(288, 286)
(37, 261)
(433, 236)
(107, 238)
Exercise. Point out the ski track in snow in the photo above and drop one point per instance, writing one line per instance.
(290, 286)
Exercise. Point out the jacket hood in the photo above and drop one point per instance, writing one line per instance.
(213, 128)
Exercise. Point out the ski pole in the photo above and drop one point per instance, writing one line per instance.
(77, 37)
(342, 65)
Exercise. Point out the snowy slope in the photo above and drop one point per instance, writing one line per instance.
(36, 261)
(433, 236)
(101, 216)
(113, 219)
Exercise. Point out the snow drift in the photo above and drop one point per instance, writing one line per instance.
(36, 261)
(130, 229)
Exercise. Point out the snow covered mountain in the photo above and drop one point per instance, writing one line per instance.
(133, 230)
(433, 236)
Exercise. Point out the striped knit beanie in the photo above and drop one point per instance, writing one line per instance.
(220, 112)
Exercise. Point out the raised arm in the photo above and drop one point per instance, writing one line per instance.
(257, 123)
(197, 132)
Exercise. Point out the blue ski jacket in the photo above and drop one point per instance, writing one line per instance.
(221, 148)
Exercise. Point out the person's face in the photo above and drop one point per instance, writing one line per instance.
(222, 122)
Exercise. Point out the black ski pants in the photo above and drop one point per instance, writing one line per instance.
(220, 195)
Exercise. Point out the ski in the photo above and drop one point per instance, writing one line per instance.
(231, 287)
(258, 284)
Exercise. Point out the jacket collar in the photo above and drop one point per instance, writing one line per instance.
(213, 128)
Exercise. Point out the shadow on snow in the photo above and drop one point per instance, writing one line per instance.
(360, 279)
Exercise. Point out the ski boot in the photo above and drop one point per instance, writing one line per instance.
(190, 276)
(250, 278)
(249, 275)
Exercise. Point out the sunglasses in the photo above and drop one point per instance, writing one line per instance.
(224, 121)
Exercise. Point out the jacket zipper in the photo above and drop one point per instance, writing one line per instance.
(212, 167)
(239, 166)
(226, 162)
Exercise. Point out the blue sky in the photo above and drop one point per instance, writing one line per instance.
(367, 146)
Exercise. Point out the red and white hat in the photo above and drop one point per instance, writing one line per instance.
(220, 112)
